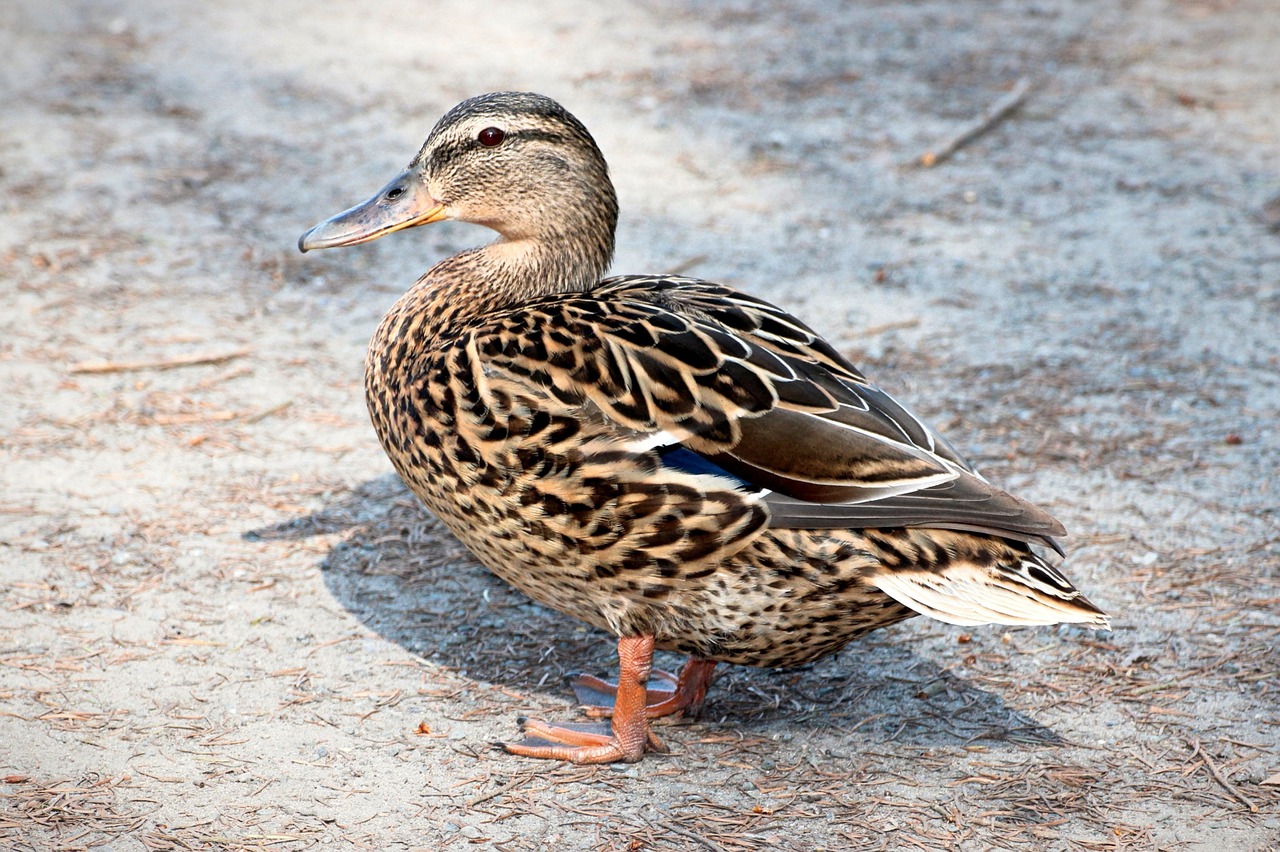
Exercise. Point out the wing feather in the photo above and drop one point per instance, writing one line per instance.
(755, 391)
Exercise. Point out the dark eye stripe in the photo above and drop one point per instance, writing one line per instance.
(440, 157)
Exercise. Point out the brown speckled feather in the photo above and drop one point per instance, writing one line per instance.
(536, 434)
(657, 455)
(738, 380)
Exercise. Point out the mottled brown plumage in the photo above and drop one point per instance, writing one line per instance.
(672, 461)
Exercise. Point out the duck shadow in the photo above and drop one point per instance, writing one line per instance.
(400, 572)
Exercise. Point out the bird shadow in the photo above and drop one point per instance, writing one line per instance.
(403, 575)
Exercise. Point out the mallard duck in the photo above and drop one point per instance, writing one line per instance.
(675, 462)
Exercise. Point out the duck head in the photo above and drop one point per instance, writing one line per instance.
(515, 162)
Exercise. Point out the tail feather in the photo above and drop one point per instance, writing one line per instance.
(967, 593)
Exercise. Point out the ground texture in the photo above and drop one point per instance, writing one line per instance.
(224, 625)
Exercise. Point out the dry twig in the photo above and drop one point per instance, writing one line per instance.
(493, 794)
(996, 113)
(193, 360)
(1196, 751)
(686, 834)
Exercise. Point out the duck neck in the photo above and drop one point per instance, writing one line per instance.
(525, 268)
(504, 274)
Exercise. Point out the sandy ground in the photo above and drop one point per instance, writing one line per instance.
(224, 624)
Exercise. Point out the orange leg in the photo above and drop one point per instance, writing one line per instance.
(626, 739)
(685, 694)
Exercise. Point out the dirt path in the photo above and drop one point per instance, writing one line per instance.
(225, 626)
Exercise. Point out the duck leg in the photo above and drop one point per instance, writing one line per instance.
(685, 692)
(627, 738)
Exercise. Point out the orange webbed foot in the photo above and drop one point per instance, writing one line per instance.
(684, 694)
(626, 738)
(583, 742)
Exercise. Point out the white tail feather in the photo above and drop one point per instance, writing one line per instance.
(970, 595)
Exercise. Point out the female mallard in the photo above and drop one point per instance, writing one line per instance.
(683, 465)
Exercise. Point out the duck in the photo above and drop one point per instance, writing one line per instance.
(678, 463)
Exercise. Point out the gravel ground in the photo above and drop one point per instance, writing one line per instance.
(225, 625)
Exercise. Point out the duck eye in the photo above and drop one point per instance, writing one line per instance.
(394, 193)
(491, 137)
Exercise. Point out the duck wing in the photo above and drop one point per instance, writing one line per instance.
(754, 395)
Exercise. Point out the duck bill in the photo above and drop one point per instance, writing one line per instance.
(403, 203)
